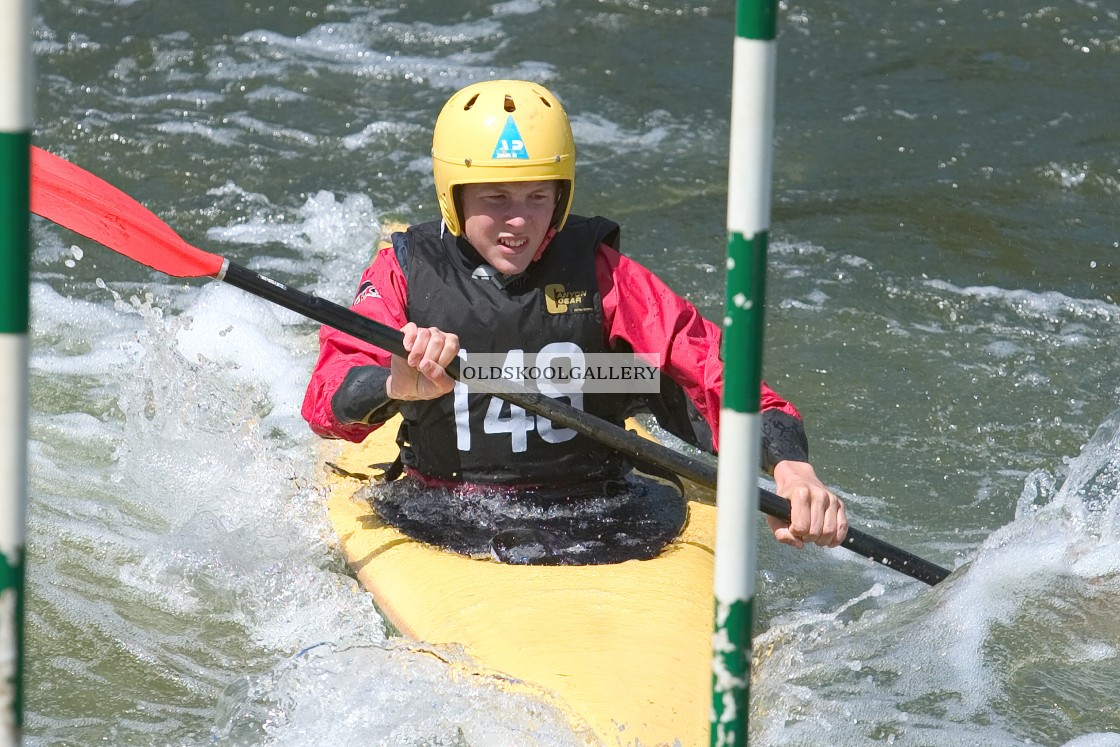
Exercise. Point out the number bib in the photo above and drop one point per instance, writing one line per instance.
(551, 311)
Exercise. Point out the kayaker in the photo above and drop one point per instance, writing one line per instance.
(511, 272)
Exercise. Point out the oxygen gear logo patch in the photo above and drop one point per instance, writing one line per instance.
(558, 300)
(510, 144)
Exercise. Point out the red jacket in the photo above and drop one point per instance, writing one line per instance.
(638, 308)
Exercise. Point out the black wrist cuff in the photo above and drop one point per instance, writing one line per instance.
(783, 437)
(361, 397)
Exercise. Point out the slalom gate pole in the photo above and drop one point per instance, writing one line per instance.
(748, 224)
(15, 181)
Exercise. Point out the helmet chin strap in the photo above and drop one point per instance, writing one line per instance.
(544, 243)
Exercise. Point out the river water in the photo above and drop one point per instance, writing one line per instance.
(943, 306)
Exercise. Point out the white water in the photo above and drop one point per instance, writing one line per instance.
(184, 491)
(1030, 624)
(943, 310)
(186, 495)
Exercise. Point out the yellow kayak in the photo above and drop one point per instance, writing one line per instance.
(623, 649)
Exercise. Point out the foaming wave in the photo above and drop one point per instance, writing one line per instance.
(175, 532)
(385, 695)
(371, 46)
(1085, 509)
(1019, 644)
(1043, 306)
(190, 550)
(334, 239)
(1082, 176)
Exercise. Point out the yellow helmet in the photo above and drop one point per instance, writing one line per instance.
(502, 131)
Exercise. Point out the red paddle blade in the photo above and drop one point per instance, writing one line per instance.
(76, 199)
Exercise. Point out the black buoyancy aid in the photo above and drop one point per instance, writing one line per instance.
(478, 438)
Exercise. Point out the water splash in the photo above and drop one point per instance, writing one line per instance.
(396, 695)
(1017, 647)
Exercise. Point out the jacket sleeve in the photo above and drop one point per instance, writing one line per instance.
(640, 310)
(381, 296)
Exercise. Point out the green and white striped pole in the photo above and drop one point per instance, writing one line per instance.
(15, 180)
(748, 225)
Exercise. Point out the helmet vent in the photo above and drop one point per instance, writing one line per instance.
(510, 106)
(470, 103)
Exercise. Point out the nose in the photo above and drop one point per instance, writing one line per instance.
(517, 214)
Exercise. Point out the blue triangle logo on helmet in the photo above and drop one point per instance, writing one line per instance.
(510, 144)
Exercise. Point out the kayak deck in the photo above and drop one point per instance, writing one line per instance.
(624, 649)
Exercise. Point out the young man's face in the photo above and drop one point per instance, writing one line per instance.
(507, 221)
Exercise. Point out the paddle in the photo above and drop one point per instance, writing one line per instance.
(76, 199)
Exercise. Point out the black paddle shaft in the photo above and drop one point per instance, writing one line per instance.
(626, 442)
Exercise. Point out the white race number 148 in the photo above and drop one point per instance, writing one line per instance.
(503, 417)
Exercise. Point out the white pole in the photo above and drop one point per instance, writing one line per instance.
(748, 230)
(15, 176)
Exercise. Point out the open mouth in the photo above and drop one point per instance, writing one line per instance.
(514, 244)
